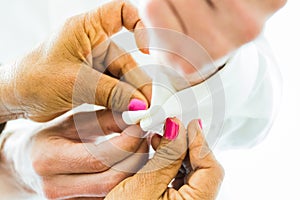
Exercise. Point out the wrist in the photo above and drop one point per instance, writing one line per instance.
(8, 102)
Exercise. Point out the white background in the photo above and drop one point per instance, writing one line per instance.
(271, 171)
(268, 171)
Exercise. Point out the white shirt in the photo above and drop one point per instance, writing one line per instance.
(236, 105)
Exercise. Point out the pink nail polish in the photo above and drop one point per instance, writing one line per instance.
(171, 129)
(200, 123)
(136, 104)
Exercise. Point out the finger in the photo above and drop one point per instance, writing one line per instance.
(103, 121)
(88, 126)
(200, 154)
(205, 181)
(96, 88)
(69, 157)
(121, 97)
(92, 31)
(153, 179)
(116, 95)
(155, 141)
(113, 16)
(97, 184)
(84, 185)
(142, 37)
(183, 173)
(136, 161)
(122, 65)
(116, 14)
(180, 177)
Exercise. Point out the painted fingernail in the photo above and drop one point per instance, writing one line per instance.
(171, 129)
(200, 123)
(136, 104)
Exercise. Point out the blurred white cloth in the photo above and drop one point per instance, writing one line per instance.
(236, 105)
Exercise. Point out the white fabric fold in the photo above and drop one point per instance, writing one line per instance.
(236, 105)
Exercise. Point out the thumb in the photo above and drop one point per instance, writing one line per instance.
(83, 33)
(100, 89)
(153, 179)
(207, 172)
(119, 96)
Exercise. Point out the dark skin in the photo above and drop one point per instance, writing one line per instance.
(201, 182)
(63, 154)
(76, 57)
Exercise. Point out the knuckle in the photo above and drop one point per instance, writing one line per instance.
(222, 172)
(96, 165)
(116, 179)
(40, 165)
(120, 96)
(276, 4)
(50, 191)
(192, 124)
(71, 20)
(166, 156)
(281, 3)
(37, 167)
(219, 172)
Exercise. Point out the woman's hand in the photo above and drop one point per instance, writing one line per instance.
(79, 64)
(200, 179)
(62, 161)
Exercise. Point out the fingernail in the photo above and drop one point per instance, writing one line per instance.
(171, 129)
(200, 123)
(136, 104)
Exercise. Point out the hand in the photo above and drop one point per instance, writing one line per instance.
(191, 29)
(71, 67)
(61, 160)
(151, 182)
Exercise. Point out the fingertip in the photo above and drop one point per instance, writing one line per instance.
(171, 129)
(137, 104)
(195, 131)
(121, 96)
(142, 37)
(195, 124)
(199, 148)
(155, 141)
(147, 91)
